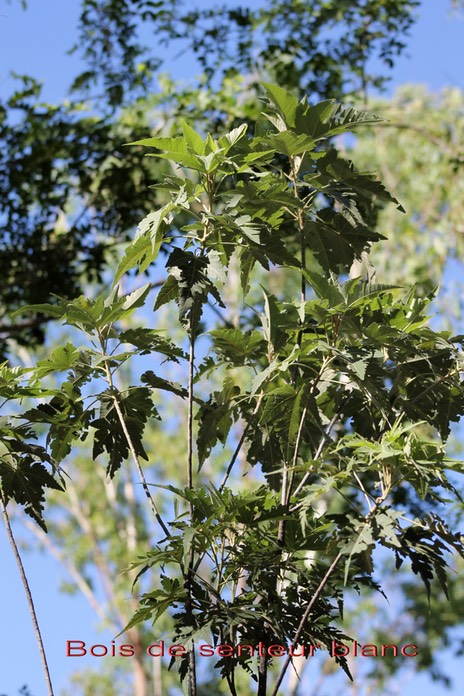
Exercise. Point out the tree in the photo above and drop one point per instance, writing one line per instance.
(118, 197)
(84, 196)
(421, 128)
(335, 396)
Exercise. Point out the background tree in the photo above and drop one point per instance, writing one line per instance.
(349, 444)
(422, 128)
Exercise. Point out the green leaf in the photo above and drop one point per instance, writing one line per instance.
(168, 291)
(150, 341)
(24, 479)
(236, 346)
(290, 143)
(177, 150)
(285, 102)
(216, 418)
(336, 241)
(61, 358)
(273, 320)
(326, 119)
(136, 407)
(156, 382)
(143, 250)
(193, 140)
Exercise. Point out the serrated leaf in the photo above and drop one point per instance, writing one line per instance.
(177, 150)
(168, 291)
(143, 250)
(150, 340)
(156, 382)
(61, 358)
(193, 139)
(289, 143)
(24, 480)
(136, 407)
(285, 102)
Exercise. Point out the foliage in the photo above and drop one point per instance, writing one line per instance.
(234, 37)
(68, 195)
(422, 129)
(340, 398)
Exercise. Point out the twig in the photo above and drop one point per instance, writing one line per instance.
(192, 678)
(135, 458)
(78, 578)
(302, 623)
(295, 455)
(365, 493)
(234, 457)
(27, 590)
(239, 445)
(318, 452)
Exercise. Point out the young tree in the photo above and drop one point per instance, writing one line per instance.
(339, 398)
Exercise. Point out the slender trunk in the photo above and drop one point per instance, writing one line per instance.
(262, 675)
(138, 669)
(157, 678)
(192, 675)
(30, 601)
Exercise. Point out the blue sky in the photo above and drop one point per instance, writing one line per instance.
(35, 42)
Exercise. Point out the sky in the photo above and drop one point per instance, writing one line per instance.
(35, 42)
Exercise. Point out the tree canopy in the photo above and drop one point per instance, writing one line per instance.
(242, 400)
(69, 159)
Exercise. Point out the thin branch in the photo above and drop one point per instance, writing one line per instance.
(135, 458)
(136, 461)
(239, 445)
(190, 400)
(432, 386)
(287, 478)
(234, 457)
(104, 571)
(364, 492)
(316, 595)
(436, 140)
(192, 678)
(295, 454)
(302, 623)
(225, 321)
(9, 329)
(27, 590)
(318, 452)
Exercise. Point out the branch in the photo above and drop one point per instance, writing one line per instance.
(135, 458)
(304, 618)
(317, 593)
(10, 329)
(192, 673)
(139, 468)
(318, 452)
(27, 590)
(100, 564)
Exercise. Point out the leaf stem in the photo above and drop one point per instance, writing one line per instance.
(320, 447)
(192, 680)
